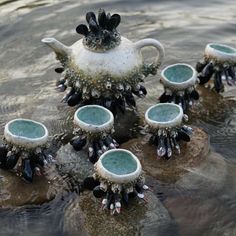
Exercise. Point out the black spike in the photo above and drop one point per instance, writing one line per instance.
(218, 85)
(164, 98)
(113, 22)
(102, 18)
(194, 94)
(228, 77)
(82, 29)
(59, 70)
(90, 15)
(121, 104)
(143, 89)
(90, 183)
(27, 172)
(231, 72)
(129, 98)
(11, 161)
(93, 26)
(125, 197)
(3, 156)
(182, 135)
(200, 66)
(207, 73)
(74, 99)
(98, 192)
(78, 143)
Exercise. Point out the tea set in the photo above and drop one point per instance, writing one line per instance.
(103, 72)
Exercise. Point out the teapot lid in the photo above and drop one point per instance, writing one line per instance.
(101, 35)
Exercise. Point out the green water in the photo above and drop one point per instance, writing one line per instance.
(178, 73)
(93, 116)
(27, 129)
(119, 163)
(223, 48)
(163, 113)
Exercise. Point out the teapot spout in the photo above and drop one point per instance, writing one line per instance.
(59, 48)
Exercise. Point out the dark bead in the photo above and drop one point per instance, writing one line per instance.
(207, 73)
(82, 29)
(90, 183)
(11, 161)
(194, 94)
(200, 66)
(59, 70)
(129, 98)
(89, 16)
(74, 99)
(102, 18)
(165, 98)
(113, 22)
(27, 172)
(93, 26)
(182, 135)
(3, 156)
(218, 85)
(98, 192)
(78, 143)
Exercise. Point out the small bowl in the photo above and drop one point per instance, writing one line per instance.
(220, 52)
(178, 76)
(164, 115)
(119, 166)
(94, 118)
(26, 133)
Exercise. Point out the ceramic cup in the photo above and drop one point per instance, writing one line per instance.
(179, 82)
(25, 140)
(165, 122)
(95, 125)
(218, 62)
(117, 176)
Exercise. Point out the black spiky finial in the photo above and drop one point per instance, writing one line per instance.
(102, 33)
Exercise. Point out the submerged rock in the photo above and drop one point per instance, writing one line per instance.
(137, 219)
(191, 155)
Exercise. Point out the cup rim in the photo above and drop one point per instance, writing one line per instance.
(125, 178)
(25, 141)
(220, 55)
(178, 85)
(164, 124)
(90, 127)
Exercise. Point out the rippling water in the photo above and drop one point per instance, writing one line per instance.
(203, 202)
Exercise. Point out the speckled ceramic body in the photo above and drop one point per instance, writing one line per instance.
(94, 119)
(116, 62)
(26, 133)
(164, 115)
(178, 76)
(220, 52)
(118, 166)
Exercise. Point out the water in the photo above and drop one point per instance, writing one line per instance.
(202, 202)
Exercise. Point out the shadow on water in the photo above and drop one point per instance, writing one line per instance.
(202, 201)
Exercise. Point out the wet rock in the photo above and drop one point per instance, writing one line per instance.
(15, 192)
(137, 219)
(74, 163)
(192, 154)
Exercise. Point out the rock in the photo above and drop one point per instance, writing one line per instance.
(74, 163)
(15, 192)
(137, 219)
(192, 154)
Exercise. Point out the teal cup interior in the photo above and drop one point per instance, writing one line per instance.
(119, 162)
(93, 115)
(223, 48)
(178, 73)
(163, 113)
(26, 129)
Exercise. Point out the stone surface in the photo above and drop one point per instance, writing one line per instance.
(138, 218)
(192, 154)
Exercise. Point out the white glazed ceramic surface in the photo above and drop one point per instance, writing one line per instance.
(180, 76)
(26, 134)
(94, 118)
(122, 163)
(117, 62)
(221, 52)
(164, 115)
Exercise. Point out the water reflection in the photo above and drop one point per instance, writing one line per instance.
(202, 202)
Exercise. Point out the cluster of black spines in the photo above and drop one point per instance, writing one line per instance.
(120, 96)
(96, 146)
(220, 72)
(112, 200)
(32, 162)
(184, 98)
(167, 141)
(101, 33)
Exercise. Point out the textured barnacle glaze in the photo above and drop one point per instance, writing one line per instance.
(99, 72)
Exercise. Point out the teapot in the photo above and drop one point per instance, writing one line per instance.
(103, 67)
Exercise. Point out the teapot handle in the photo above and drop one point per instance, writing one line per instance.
(153, 43)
